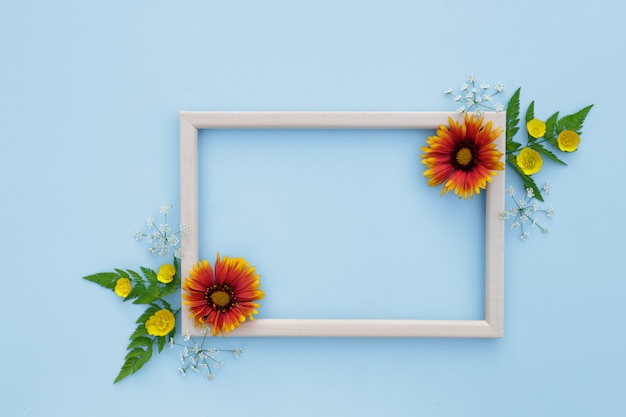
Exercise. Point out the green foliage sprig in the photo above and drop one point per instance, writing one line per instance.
(146, 290)
(554, 126)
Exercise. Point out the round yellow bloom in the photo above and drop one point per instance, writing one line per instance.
(529, 161)
(536, 128)
(161, 323)
(123, 287)
(568, 141)
(166, 273)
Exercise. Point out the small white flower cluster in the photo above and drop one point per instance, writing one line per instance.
(160, 242)
(476, 98)
(525, 211)
(198, 359)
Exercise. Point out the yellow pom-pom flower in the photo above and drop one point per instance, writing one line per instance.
(536, 128)
(160, 323)
(568, 141)
(123, 287)
(166, 273)
(529, 161)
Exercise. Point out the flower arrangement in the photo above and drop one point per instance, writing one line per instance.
(463, 158)
(219, 301)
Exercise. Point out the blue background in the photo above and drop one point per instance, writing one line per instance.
(89, 100)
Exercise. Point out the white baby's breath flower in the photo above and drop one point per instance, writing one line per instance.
(164, 209)
(547, 187)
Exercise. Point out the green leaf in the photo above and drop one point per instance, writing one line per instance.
(539, 148)
(169, 288)
(512, 116)
(530, 113)
(134, 274)
(135, 352)
(121, 273)
(148, 313)
(550, 135)
(134, 361)
(512, 146)
(131, 365)
(104, 279)
(139, 331)
(149, 295)
(573, 121)
(161, 340)
(149, 274)
(141, 341)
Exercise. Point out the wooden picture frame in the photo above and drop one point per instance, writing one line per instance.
(489, 327)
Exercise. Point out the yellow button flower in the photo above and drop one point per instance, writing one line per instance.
(536, 128)
(166, 273)
(568, 141)
(123, 287)
(161, 323)
(529, 161)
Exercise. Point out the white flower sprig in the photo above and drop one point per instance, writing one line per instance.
(160, 242)
(198, 359)
(476, 98)
(525, 211)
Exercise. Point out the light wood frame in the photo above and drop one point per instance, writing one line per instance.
(490, 327)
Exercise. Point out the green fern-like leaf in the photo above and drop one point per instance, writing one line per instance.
(139, 331)
(150, 275)
(161, 341)
(542, 150)
(135, 359)
(530, 113)
(512, 116)
(573, 121)
(135, 275)
(550, 135)
(104, 279)
(148, 313)
(130, 366)
(149, 295)
(139, 342)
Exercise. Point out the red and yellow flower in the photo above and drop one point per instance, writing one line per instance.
(224, 298)
(463, 156)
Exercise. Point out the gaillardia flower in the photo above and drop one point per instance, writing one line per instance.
(225, 298)
(123, 287)
(160, 323)
(568, 141)
(529, 161)
(463, 156)
(166, 273)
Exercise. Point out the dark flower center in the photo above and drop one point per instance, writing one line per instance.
(464, 156)
(220, 297)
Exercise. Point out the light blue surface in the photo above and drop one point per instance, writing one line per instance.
(89, 101)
